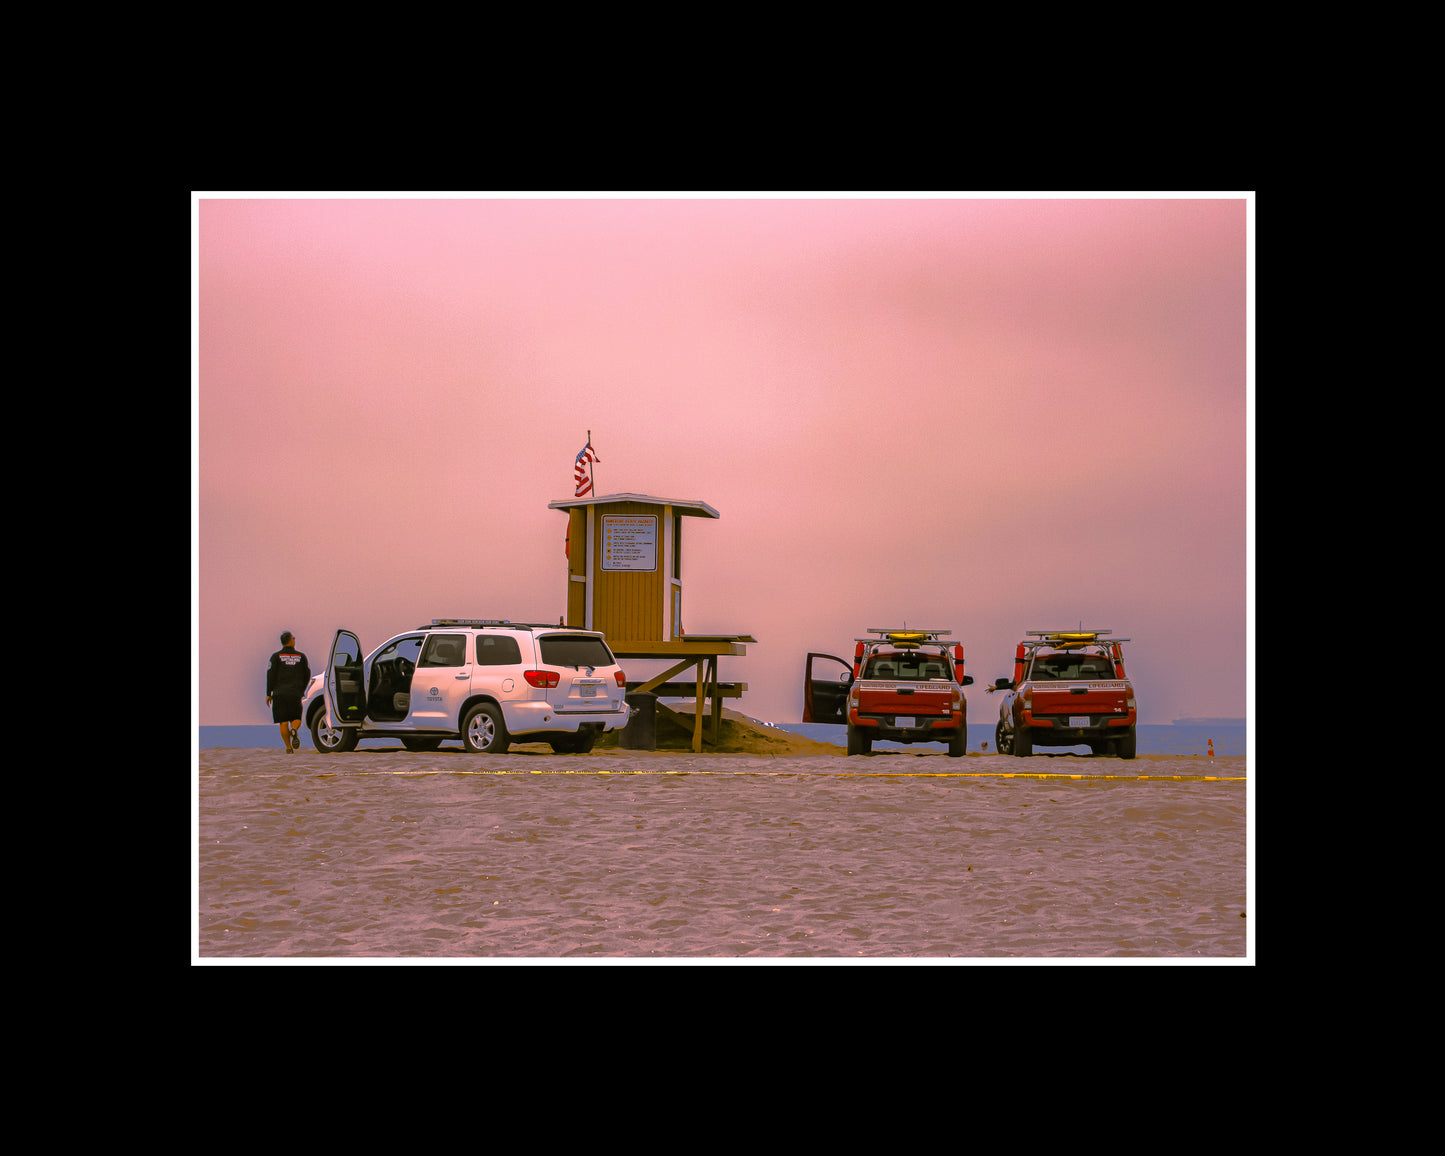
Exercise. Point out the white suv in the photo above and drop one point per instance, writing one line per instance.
(486, 681)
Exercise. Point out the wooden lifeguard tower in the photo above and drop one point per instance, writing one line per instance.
(624, 578)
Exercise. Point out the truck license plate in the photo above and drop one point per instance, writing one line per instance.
(1078, 720)
(901, 721)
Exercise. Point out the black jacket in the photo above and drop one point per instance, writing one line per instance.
(288, 673)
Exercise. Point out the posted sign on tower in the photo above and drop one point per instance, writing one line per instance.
(629, 542)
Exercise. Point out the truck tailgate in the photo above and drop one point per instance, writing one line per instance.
(1081, 698)
(905, 698)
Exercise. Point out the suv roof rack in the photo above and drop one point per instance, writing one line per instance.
(506, 623)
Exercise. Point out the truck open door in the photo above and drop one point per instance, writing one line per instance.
(825, 690)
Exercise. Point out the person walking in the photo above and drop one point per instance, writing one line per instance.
(286, 680)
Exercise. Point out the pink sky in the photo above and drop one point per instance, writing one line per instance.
(991, 415)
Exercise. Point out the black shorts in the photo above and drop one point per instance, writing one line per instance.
(285, 707)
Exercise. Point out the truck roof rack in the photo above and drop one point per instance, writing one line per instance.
(906, 637)
(1068, 639)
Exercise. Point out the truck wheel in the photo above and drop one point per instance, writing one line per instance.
(1003, 741)
(1126, 745)
(483, 731)
(957, 744)
(858, 742)
(331, 740)
(1023, 742)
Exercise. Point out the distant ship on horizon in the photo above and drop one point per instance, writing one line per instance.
(1208, 722)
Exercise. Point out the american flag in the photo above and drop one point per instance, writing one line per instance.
(584, 469)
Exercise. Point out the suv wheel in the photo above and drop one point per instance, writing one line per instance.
(483, 731)
(331, 740)
(1003, 741)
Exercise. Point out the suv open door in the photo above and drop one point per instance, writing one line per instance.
(825, 691)
(345, 686)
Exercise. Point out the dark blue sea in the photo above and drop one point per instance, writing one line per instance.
(1167, 739)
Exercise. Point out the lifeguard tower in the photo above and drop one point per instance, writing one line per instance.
(624, 578)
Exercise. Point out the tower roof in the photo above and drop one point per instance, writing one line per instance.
(687, 506)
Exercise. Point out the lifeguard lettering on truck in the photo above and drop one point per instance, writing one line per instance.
(1068, 689)
(907, 687)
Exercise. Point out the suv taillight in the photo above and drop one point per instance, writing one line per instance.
(541, 678)
(621, 679)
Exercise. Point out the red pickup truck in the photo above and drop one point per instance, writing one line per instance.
(1068, 689)
(905, 685)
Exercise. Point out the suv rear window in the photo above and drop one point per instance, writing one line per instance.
(574, 650)
(497, 650)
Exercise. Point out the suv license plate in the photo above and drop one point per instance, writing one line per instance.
(1078, 720)
(587, 691)
(901, 721)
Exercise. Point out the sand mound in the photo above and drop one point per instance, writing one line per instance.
(740, 735)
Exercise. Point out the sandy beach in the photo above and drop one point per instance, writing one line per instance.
(791, 852)
(731, 437)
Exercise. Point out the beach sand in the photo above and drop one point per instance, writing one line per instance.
(771, 847)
